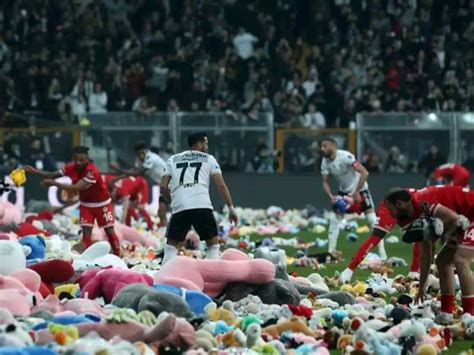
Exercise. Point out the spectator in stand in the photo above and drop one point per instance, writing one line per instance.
(142, 107)
(429, 162)
(98, 100)
(396, 162)
(38, 157)
(313, 118)
(243, 43)
(372, 162)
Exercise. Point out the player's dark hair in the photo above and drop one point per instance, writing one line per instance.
(196, 137)
(80, 150)
(140, 145)
(398, 194)
(327, 139)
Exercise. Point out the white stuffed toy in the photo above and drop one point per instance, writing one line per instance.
(12, 256)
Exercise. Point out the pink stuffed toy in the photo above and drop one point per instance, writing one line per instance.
(77, 305)
(108, 282)
(125, 233)
(9, 214)
(211, 276)
(171, 331)
(19, 291)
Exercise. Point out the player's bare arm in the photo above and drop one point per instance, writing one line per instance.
(112, 181)
(46, 174)
(80, 185)
(127, 172)
(225, 194)
(425, 265)
(364, 174)
(327, 188)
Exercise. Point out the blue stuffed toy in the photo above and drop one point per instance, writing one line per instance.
(196, 300)
(68, 320)
(31, 350)
(36, 247)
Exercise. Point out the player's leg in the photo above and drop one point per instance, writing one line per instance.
(462, 263)
(163, 211)
(206, 227)
(146, 216)
(131, 213)
(415, 261)
(368, 207)
(445, 266)
(86, 220)
(176, 231)
(333, 230)
(105, 219)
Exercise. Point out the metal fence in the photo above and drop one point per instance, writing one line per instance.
(232, 137)
(409, 136)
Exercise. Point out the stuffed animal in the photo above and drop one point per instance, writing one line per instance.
(211, 276)
(196, 300)
(141, 297)
(12, 255)
(97, 255)
(108, 282)
(294, 324)
(126, 233)
(51, 272)
(77, 306)
(169, 331)
(9, 214)
(20, 291)
(225, 313)
(36, 247)
(205, 340)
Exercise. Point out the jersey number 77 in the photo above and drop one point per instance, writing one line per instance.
(185, 166)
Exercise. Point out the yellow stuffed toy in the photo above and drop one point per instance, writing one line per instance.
(18, 176)
(63, 334)
(70, 289)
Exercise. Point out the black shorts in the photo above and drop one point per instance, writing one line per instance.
(202, 219)
(367, 203)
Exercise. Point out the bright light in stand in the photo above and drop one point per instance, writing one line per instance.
(432, 116)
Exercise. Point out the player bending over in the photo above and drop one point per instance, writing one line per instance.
(352, 179)
(94, 198)
(132, 193)
(154, 166)
(385, 223)
(187, 177)
(454, 208)
(452, 174)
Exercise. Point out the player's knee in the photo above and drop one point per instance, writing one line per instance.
(371, 218)
(213, 241)
(442, 264)
(461, 262)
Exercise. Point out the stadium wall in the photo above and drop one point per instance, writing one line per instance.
(249, 190)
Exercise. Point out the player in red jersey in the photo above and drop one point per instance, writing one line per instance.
(132, 192)
(94, 198)
(453, 207)
(452, 174)
(385, 222)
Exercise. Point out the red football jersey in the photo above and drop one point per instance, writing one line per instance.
(96, 195)
(131, 186)
(458, 174)
(457, 199)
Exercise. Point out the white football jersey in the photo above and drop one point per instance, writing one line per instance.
(342, 168)
(154, 166)
(190, 173)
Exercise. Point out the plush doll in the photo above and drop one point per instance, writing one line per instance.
(51, 272)
(141, 297)
(78, 306)
(205, 340)
(170, 331)
(125, 233)
(225, 313)
(9, 213)
(211, 276)
(294, 324)
(108, 282)
(97, 255)
(36, 247)
(12, 257)
(196, 300)
(20, 291)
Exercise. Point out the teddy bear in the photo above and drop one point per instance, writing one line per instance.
(77, 306)
(141, 297)
(294, 324)
(108, 282)
(211, 276)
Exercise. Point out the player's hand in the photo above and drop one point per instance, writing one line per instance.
(356, 197)
(114, 166)
(48, 182)
(233, 217)
(420, 296)
(333, 199)
(30, 169)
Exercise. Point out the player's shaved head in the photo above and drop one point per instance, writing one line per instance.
(140, 145)
(196, 138)
(80, 150)
(328, 147)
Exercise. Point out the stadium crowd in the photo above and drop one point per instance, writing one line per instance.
(313, 63)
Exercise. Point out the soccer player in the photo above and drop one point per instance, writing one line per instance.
(452, 174)
(132, 193)
(187, 177)
(454, 207)
(154, 166)
(385, 222)
(94, 198)
(352, 179)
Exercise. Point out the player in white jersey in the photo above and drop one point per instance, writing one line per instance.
(352, 179)
(154, 166)
(187, 177)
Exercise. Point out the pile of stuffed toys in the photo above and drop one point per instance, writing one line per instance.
(55, 300)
